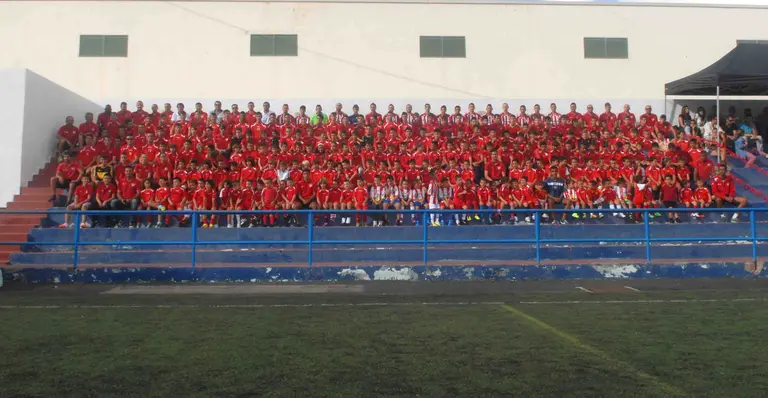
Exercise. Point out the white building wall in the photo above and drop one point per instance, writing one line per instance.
(12, 119)
(200, 50)
(32, 109)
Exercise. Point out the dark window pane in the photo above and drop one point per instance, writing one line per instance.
(594, 47)
(286, 45)
(454, 47)
(91, 46)
(617, 48)
(115, 46)
(430, 47)
(262, 45)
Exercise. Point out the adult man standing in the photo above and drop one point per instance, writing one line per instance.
(267, 113)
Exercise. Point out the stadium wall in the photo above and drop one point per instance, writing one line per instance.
(33, 109)
(369, 50)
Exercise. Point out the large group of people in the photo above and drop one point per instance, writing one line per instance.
(455, 160)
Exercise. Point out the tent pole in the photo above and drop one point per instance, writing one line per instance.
(717, 128)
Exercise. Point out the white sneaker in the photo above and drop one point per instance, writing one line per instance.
(528, 219)
(545, 216)
(622, 215)
(229, 225)
(735, 217)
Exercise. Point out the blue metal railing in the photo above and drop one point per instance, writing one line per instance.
(647, 240)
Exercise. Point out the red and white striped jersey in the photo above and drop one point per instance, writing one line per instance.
(523, 119)
(392, 117)
(506, 117)
(411, 118)
(470, 116)
(457, 120)
(428, 119)
(302, 120)
(285, 118)
(339, 117)
(378, 193)
(621, 193)
(555, 117)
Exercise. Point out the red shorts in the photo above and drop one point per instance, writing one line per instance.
(458, 204)
(270, 206)
(245, 206)
(361, 207)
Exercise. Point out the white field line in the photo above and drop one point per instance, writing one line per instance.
(377, 304)
(583, 289)
(631, 288)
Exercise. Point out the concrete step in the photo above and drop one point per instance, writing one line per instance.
(36, 205)
(12, 236)
(32, 197)
(22, 228)
(391, 257)
(16, 219)
(37, 191)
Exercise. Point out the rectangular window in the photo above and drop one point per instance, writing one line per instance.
(274, 45)
(751, 41)
(606, 47)
(104, 46)
(442, 47)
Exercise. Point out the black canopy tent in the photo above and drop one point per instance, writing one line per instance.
(743, 72)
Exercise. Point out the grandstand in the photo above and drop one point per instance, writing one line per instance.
(426, 167)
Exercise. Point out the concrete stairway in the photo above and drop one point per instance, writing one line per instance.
(15, 227)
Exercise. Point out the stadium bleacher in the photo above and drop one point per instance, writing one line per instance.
(465, 161)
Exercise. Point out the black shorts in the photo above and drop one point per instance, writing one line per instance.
(670, 204)
(62, 184)
(728, 203)
(307, 205)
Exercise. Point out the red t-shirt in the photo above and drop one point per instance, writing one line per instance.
(84, 193)
(69, 171)
(129, 189)
(669, 193)
(106, 192)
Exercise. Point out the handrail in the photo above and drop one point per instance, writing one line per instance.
(536, 240)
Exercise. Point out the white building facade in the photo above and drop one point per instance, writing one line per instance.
(365, 51)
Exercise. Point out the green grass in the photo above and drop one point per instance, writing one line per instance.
(609, 350)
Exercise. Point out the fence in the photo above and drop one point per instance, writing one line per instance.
(424, 215)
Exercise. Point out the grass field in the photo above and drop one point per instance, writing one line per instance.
(686, 348)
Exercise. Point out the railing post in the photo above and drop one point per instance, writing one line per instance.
(310, 235)
(195, 221)
(753, 235)
(647, 228)
(76, 250)
(425, 235)
(537, 234)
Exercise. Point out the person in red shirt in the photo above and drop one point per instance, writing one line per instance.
(702, 198)
(147, 198)
(69, 135)
(105, 193)
(89, 127)
(269, 202)
(360, 197)
(346, 201)
(669, 196)
(485, 200)
(81, 200)
(68, 173)
(205, 199)
(724, 192)
(245, 202)
(127, 194)
(177, 198)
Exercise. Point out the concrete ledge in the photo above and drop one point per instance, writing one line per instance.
(330, 273)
